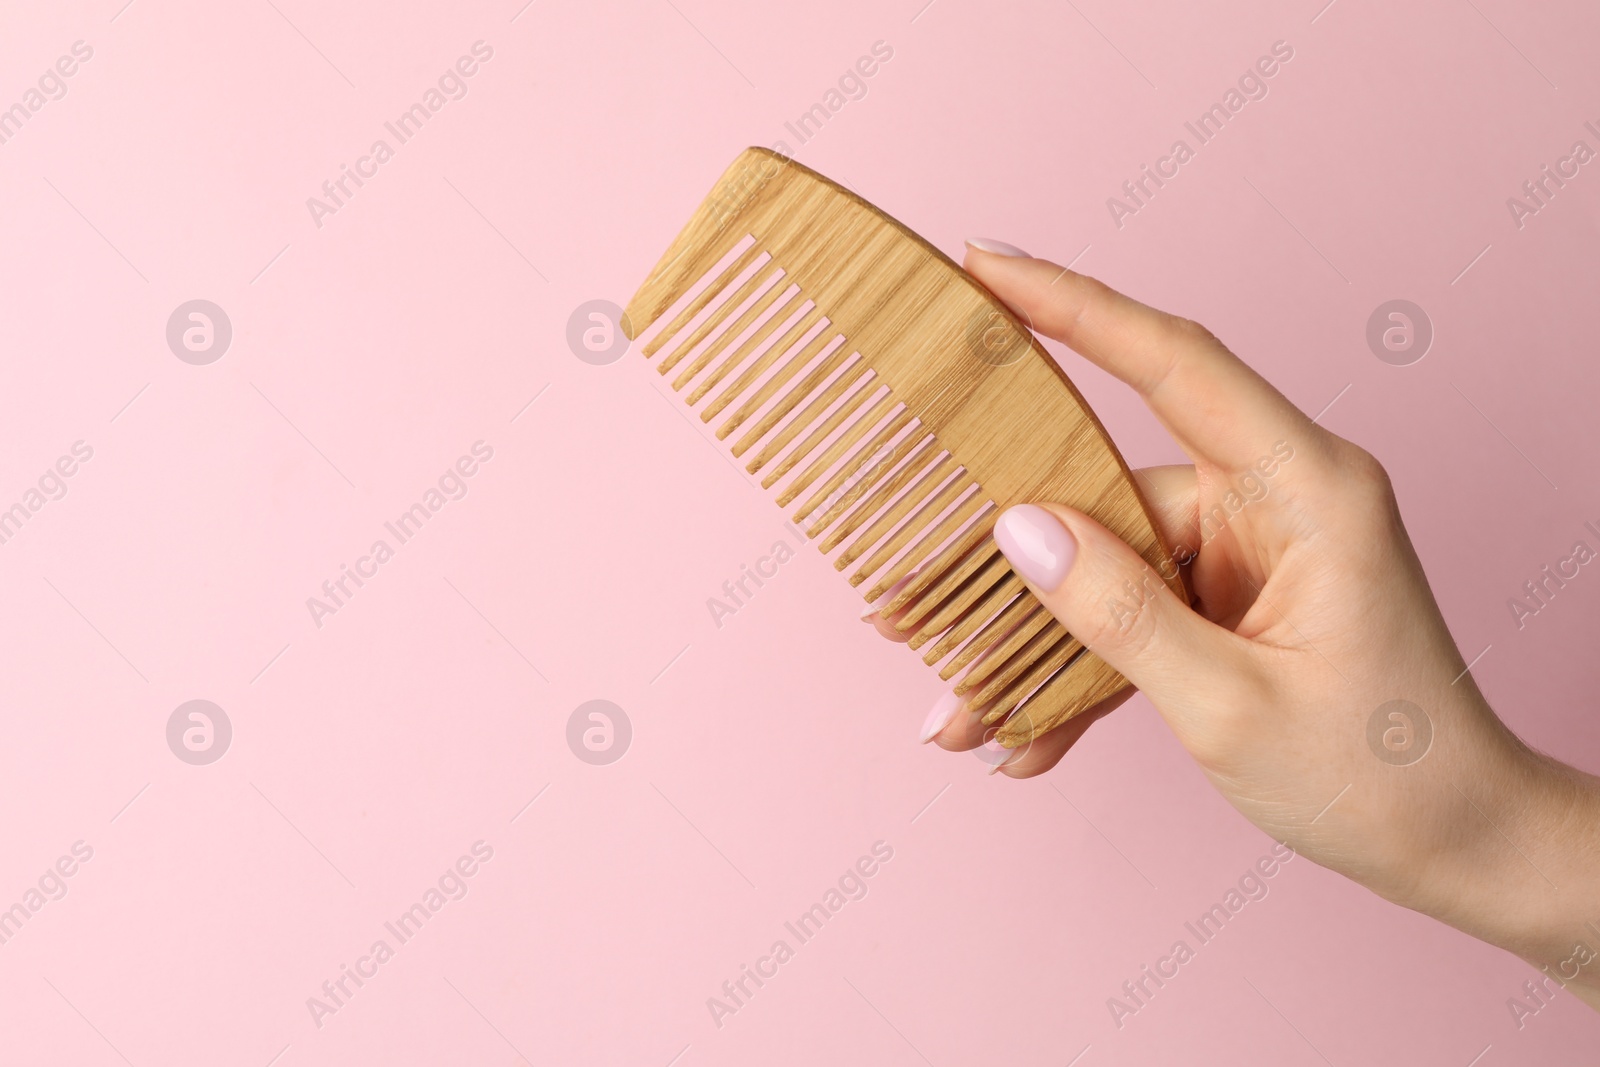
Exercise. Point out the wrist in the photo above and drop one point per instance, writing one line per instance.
(1516, 859)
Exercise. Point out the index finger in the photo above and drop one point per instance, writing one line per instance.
(1216, 407)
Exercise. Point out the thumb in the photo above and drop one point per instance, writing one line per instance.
(1112, 601)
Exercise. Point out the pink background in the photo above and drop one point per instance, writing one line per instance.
(767, 755)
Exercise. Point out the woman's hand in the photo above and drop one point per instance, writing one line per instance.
(1312, 617)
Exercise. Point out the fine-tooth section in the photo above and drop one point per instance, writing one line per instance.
(918, 494)
(833, 359)
(925, 515)
(769, 299)
(1076, 689)
(1021, 619)
(738, 273)
(964, 528)
(843, 445)
(770, 340)
(869, 475)
(851, 404)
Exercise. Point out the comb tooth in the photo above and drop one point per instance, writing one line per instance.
(987, 607)
(845, 411)
(738, 273)
(791, 429)
(799, 336)
(845, 443)
(999, 642)
(918, 522)
(934, 583)
(926, 485)
(1021, 619)
(928, 618)
(870, 474)
(836, 354)
(1053, 663)
(934, 568)
(1037, 650)
(768, 299)
(741, 293)
(865, 463)
(875, 501)
(787, 403)
(1087, 681)
(766, 343)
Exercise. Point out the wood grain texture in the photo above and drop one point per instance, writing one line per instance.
(962, 398)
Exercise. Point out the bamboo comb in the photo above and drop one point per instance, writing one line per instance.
(874, 381)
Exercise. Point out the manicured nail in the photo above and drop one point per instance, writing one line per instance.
(1038, 546)
(888, 595)
(944, 709)
(997, 755)
(998, 248)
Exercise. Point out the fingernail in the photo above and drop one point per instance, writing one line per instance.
(997, 755)
(1038, 546)
(944, 709)
(998, 248)
(866, 616)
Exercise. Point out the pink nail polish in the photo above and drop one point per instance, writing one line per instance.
(944, 709)
(997, 755)
(998, 248)
(1039, 547)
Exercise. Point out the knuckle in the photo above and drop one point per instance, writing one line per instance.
(1124, 614)
(1366, 475)
(1192, 331)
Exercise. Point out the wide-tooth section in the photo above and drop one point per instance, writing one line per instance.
(718, 326)
(846, 409)
(975, 618)
(773, 338)
(743, 267)
(923, 624)
(1021, 619)
(940, 580)
(919, 493)
(956, 535)
(835, 358)
(844, 383)
(925, 515)
(862, 478)
(925, 453)
(769, 300)
(1087, 681)
(996, 683)
(798, 332)
(848, 439)
(1040, 669)
(855, 455)
(996, 643)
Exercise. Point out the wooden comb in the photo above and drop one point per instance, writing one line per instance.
(877, 383)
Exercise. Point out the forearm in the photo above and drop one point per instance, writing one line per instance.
(1526, 873)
